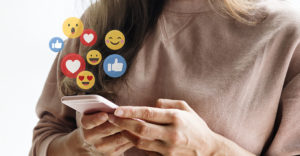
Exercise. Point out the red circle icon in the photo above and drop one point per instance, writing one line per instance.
(88, 37)
(72, 64)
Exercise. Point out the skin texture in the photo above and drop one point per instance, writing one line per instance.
(96, 136)
(105, 137)
(171, 129)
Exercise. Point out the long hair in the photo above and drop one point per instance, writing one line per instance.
(244, 11)
(135, 18)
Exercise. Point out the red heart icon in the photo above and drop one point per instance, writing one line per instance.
(88, 37)
(72, 64)
(81, 78)
(90, 78)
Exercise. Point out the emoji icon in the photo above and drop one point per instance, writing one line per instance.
(88, 37)
(56, 44)
(94, 57)
(73, 27)
(85, 80)
(114, 65)
(72, 64)
(115, 39)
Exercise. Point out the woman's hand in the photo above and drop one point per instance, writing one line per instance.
(172, 129)
(103, 137)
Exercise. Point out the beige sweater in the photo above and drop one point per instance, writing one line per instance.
(244, 81)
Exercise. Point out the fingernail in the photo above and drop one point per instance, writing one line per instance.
(161, 100)
(119, 112)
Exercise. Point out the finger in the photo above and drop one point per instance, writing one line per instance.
(101, 131)
(140, 128)
(150, 114)
(162, 148)
(173, 104)
(131, 137)
(93, 120)
(148, 145)
(123, 148)
(111, 144)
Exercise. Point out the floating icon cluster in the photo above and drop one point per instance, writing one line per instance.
(73, 65)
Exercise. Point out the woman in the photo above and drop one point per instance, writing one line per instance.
(231, 67)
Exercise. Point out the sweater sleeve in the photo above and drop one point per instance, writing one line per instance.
(287, 138)
(55, 119)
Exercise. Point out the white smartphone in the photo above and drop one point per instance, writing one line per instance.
(87, 104)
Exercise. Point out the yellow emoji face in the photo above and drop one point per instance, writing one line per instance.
(115, 40)
(93, 57)
(85, 80)
(73, 27)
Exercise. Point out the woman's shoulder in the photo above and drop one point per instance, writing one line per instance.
(283, 14)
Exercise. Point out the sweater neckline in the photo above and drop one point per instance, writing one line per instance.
(187, 6)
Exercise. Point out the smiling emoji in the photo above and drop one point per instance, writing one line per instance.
(85, 80)
(94, 57)
(114, 39)
(73, 27)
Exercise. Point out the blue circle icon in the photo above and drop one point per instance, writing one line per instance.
(114, 65)
(56, 44)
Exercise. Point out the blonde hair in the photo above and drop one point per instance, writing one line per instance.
(244, 11)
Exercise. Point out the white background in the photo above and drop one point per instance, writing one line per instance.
(26, 26)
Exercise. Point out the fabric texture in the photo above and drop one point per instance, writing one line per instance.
(244, 81)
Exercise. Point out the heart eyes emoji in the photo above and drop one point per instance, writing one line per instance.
(85, 80)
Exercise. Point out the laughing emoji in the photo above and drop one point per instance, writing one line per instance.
(94, 57)
(73, 27)
(85, 80)
(115, 40)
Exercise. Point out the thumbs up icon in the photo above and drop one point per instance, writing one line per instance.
(57, 45)
(116, 66)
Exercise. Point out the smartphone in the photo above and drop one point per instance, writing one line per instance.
(87, 104)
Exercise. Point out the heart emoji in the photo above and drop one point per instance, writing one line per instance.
(73, 66)
(88, 37)
(89, 78)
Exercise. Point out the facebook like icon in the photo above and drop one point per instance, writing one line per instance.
(56, 44)
(114, 66)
